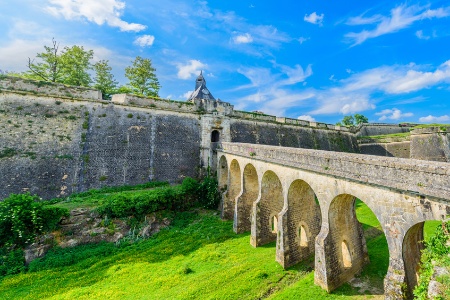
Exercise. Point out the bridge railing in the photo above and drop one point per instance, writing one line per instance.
(415, 176)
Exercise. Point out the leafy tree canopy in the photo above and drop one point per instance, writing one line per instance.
(142, 77)
(353, 120)
(104, 79)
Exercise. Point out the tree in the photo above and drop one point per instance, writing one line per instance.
(104, 79)
(359, 119)
(75, 66)
(348, 120)
(49, 69)
(142, 77)
(353, 120)
(71, 66)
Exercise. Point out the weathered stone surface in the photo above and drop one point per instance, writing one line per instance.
(401, 193)
(436, 288)
(431, 143)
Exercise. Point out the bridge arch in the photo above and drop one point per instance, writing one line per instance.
(244, 202)
(234, 188)
(301, 222)
(265, 218)
(345, 245)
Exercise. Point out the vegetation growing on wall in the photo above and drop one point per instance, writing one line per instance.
(435, 254)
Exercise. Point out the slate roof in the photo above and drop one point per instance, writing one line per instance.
(201, 91)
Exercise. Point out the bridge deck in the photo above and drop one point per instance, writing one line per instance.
(420, 177)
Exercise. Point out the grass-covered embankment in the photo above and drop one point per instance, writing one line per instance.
(199, 257)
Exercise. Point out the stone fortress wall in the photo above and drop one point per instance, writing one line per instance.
(56, 140)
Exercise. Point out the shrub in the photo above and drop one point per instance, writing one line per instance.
(208, 193)
(11, 262)
(22, 218)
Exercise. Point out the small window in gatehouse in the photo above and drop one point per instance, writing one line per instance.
(215, 136)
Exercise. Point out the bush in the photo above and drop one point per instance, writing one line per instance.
(23, 217)
(208, 193)
(140, 203)
(189, 194)
(11, 262)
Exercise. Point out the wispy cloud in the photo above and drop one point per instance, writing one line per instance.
(400, 17)
(392, 114)
(306, 118)
(420, 35)
(99, 12)
(144, 41)
(189, 69)
(314, 18)
(355, 93)
(243, 39)
(302, 39)
(272, 90)
(432, 119)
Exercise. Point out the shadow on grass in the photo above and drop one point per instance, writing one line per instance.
(85, 265)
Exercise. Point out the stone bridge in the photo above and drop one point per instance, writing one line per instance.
(305, 201)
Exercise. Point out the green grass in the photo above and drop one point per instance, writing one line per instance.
(431, 125)
(400, 136)
(199, 257)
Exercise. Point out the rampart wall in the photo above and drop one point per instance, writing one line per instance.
(56, 145)
(431, 143)
(56, 140)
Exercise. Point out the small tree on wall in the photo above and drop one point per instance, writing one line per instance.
(353, 120)
(142, 77)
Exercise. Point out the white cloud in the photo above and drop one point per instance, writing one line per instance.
(356, 106)
(14, 55)
(420, 35)
(272, 91)
(191, 68)
(98, 12)
(302, 39)
(243, 39)
(314, 18)
(187, 95)
(145, 40)
(414, 80)
(401, 17)
(433, 119)
(392, 114)
(306, 118)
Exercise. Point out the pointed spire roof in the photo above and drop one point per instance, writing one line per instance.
(201, 91)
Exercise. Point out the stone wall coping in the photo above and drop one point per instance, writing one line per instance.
(444, 128)
(416, 176)
(17, 84)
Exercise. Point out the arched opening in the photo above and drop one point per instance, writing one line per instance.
(346, 256)
(233, 190)
(215, 136)
(244, 202)
(270, 204)
(357, 244)
(412, 251)
(304, 220)
(274, 224)
(303, 236)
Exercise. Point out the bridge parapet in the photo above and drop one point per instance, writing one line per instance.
(417, 177)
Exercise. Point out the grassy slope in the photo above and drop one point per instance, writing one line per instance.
(223, 265)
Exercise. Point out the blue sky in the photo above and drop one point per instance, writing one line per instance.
(317, 60)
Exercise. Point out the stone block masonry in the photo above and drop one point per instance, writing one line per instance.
(54, 146)
(56, 140)
(305, 200)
